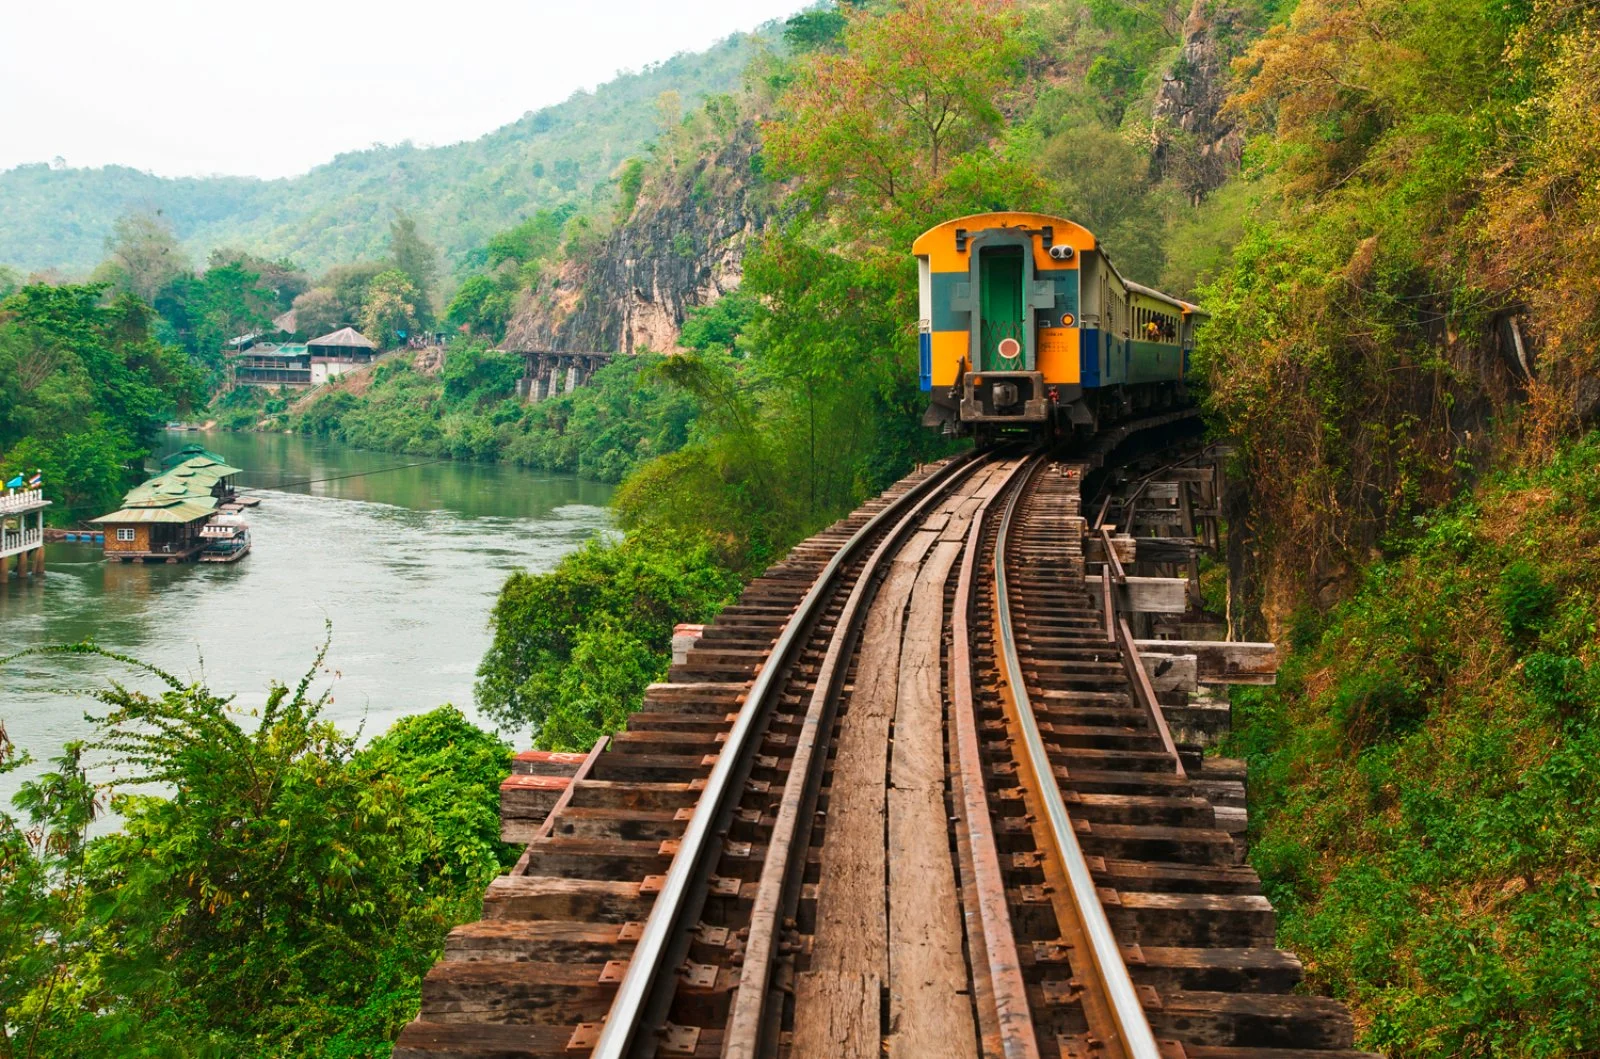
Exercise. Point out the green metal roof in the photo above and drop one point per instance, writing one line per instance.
(189, 452)
(195, 476)
(185, 510)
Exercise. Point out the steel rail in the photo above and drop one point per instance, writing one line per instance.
(645, 967)
(1008, 989)
(1135, 1039)
(776, 890)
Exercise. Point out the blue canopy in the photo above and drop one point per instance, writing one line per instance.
(15, 483)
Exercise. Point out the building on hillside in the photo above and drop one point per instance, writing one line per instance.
(286, 366)
(332, 355)
(267, 336)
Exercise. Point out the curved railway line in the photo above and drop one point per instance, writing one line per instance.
(915, 794)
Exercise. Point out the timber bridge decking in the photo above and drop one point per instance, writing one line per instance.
(931, 787)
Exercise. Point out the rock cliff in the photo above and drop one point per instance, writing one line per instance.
(1194, 144)
(682, 246)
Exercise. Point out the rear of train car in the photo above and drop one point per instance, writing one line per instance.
(1027, 328)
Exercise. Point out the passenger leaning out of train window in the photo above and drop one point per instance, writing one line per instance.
(1152, 331)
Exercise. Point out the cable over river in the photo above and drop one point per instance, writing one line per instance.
(403, 556)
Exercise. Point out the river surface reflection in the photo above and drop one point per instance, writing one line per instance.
(403, 560)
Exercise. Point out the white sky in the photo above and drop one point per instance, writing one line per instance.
(186, 88)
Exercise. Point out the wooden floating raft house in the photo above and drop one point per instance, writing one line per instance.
(166, 519)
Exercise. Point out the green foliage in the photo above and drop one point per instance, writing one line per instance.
(474, 376)
(481, 306)
(630, 181)
(1421, 778)
(532, 241)
(810, 30)
(142, 255)
(1524, 600)
(417, 260)
(574, 649)
(282, 897)
(83, 390)
(391, 308)
(603, 430)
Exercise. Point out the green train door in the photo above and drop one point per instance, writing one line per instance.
(1003, 343)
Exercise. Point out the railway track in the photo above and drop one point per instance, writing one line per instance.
(913, 795)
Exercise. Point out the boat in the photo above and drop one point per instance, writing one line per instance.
(227, 541)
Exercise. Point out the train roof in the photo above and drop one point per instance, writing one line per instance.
(1065, 231)
(930, 244)
(1151, 292)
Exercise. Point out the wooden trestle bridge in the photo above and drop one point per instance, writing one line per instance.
(928, 789)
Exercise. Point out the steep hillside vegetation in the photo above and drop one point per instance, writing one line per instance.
(1424, 778)
(340, 211)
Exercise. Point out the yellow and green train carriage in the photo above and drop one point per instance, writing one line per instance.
(1027, 327)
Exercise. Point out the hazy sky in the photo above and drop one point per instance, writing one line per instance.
(183, 87)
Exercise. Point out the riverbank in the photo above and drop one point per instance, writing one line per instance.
(462, 405)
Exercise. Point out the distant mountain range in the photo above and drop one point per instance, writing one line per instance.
(460, 194)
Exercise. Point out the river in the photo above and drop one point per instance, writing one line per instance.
(403, 559)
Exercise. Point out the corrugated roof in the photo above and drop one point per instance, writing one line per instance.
(188, 510)
(188, 452)
(347, 337)
(207, 465)
(194, 477)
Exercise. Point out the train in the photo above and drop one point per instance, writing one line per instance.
(1028, 329)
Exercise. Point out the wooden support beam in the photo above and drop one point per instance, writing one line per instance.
(1147, 595)
(1170, 672)
(1223, 662)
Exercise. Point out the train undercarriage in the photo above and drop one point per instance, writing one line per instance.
(995, 406)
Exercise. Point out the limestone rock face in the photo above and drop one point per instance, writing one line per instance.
(1193, 142)
(683, 246)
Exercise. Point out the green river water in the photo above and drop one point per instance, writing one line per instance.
(404, 561)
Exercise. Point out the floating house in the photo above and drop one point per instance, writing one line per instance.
(158, 530)
(165, 519)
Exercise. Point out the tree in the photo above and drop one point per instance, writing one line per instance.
(83, 389)
(319, 312)
(880, 123)
(142, 255)
(390, 308)
(282, 278)
(574, 649)
(481, 305)
(225, 303)
(417, 260)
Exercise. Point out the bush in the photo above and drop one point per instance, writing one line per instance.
(574, 648)
(282, 895)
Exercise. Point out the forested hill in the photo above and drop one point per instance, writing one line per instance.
(465, 192)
